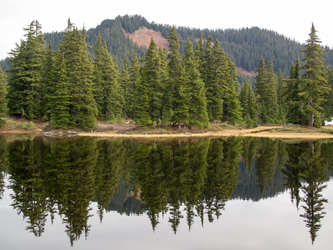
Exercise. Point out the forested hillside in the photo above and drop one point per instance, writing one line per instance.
(244, 46)
(166, 86)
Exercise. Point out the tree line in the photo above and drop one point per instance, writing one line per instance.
(69, 89)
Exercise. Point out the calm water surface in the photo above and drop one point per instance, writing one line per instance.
(236, 193)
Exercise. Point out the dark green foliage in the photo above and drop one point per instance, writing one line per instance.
(108, 92)
(49, 82)
(25, 75)
(79, 74)
(141, 101)
(3, 96)
(328, 106)
(314, 83)
(232, 110)
(265, 90)
(149, 90)
(124, 82)
(214, 76)
(61, 98)
(249, 105)
(292, 99)
(129, 95)
(196, 90)
(244, 46)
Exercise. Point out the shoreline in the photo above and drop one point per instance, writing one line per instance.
(273, 132)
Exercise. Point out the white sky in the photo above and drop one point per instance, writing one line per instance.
(291, 18)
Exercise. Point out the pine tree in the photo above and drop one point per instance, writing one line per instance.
(167, 112)
(328, 107)
(265, 88)
(25, 76)
(279, 91)
(176, 79)
(48, 83)
(79, 73)
(61, 99)
(314, 83)
(141, 101)
(199, 54)
(99, 65)
(214, 73)
(152, 68)
(291, 96)
(124, 82)
(181, 98)
(248, 103)
(3, 96)
(113, 98)
(134, 73)
(196, 90)
(232, 109)
(270, 97)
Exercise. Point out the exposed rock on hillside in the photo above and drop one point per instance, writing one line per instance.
(143, 36)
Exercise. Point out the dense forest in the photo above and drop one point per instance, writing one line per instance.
(244, 46)
(186, 84)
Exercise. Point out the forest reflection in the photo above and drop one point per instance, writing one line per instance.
(182, 179)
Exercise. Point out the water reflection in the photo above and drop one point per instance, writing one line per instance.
(185, 179)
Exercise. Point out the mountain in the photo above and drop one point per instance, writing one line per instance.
(126, 34)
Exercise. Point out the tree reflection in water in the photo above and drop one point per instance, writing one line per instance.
(185, 178)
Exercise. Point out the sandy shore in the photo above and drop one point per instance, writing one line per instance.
(262, 131)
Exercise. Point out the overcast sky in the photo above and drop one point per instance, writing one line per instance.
(291, 18)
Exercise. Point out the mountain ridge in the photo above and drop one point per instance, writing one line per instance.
(245, 46)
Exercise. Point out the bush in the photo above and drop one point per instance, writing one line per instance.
(25, 125)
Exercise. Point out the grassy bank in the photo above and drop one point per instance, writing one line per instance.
(128, 129)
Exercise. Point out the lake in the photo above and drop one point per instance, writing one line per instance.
(216, 193)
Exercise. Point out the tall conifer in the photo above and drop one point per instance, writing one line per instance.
(196, 90)
(314, 83)
(134, 76)
(79, 72)
(3, 96)
(25, 75)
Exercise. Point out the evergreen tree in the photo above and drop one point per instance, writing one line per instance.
(232, 109)
(176, 79)
(99, 65)
(181, 98)
(196, 90)
(265, 88)
(152, 68)
(141, 100)
(108, 93)
(328, 107)
(79, 73)
(61, 99)
(25, 76)
(199, 54)
(248, 103)
(291, 96)
(3, 96)
(48, 82)
(279, 91)
(214, 75)
(167, 112)
(134, 74)
(124, 82)
(314, 83)
(270, 97)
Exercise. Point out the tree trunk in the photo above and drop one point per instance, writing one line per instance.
(311, 121)
(179, 125)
